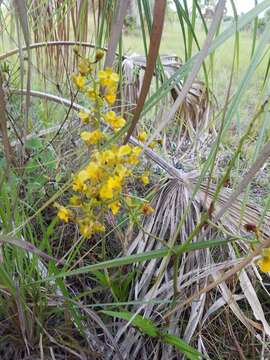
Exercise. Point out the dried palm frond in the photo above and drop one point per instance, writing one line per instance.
(191, 125)
(192, 120)
(133, 67)
(154, 279)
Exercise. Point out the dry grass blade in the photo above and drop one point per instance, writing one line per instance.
(246, 179)
(22, 320)
(27, 247)
(100, 323)
(193, 115)
(116, 30)
(252, 298)
(236, 217)
(155, 38)
(21, 9)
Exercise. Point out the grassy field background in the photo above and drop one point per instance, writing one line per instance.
(172, 44)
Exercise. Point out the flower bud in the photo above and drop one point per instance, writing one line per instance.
(99, 54)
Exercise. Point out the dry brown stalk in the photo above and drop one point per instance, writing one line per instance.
(3, 125)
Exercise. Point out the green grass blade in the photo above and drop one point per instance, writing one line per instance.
(138, 258)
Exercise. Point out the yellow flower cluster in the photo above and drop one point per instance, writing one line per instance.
(106, 79)
(116, 122)
(99, 188)
(142, 136)
(92, 137)
(264, 262)
(99, 185)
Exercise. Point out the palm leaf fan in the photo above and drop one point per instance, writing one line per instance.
(154, 280)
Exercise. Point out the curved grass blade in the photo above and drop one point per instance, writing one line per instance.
(155, 38)
(138, 258)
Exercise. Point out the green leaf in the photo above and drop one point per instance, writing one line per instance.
(33, 144)
(101, 278)
(145, 325)
(181, 345)
(6, 281)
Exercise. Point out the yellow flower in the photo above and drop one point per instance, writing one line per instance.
(64, 214)
(78, 185)
(75, 200)
(99, 54)
(82, 176)
(84, 116)
(112, 184)
(142, 136)
(133, 160)
(92, 94)
(153, 144)
(115, 121)
(124, 150)
(145, 178)
(92, 137)
(115, 207)
(79, 81)
(147, 209)
(110, 98)
(136, 150)
(93, 171)
(106, 192)
(98, 227)
(119, 123)
(264, 262)
(84, 67)
(122, 171)
(106, 157)
(108, 78)
(110, 117)
(115, 182)
(86, 229)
